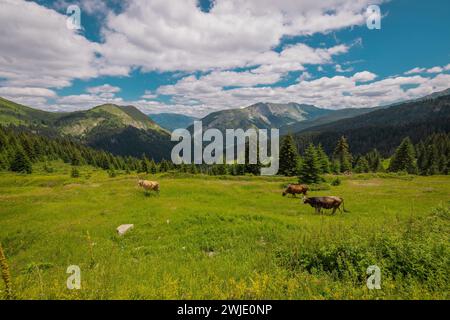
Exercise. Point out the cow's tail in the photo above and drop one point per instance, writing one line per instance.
(343, 206)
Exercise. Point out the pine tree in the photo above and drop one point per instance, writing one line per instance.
(152, 167)
(75, 158)
(310, 166)
(374, 160)
(288, 157)
(145, 164)
(432, 160)
(335, 167)
(323, 160)
(362, 165)
(404, 158)
(163, 166)
(21, 162)
(342, 155)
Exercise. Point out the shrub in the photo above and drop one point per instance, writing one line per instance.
(336, 182)
(48, 168)
(112, 173)
(75, 173)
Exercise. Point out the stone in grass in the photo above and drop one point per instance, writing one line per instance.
(124, 228)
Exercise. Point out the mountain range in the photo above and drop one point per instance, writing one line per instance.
(124, 130)
(262, 116)
(383, 128)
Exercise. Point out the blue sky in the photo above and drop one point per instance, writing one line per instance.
(195, 57)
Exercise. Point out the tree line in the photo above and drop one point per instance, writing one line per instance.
(428, 157)
(20, 148)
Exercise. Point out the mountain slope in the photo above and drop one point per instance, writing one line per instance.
(383, 128)
(106, 117)
(328, 118)
(14, 113)
(122, 130)
(262, 116)
(172, 121)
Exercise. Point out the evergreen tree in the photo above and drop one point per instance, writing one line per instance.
(404, 158)
(288, 157)
(342, 155)
(310, 166)
(163, 166)
(152, 167)
(335, 167)
(374, 160)
(145, 164)
(432, 160)
(75, 158)
(323, 160)
(21, 162)
(362, 165)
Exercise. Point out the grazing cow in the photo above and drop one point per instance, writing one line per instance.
(330, 202)
(295, 189)
(149, 185)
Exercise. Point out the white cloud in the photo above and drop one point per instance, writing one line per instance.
(106, 88)
(364, 76)
(339, 69)
(171, 35)
(37, 49)
(28, 92)
(38, 53)
(415, 71)
(435, 70)
(358, 90)
(148, 94)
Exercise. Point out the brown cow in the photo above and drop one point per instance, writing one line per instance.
(330, 202)
(149, 185)
(295, 189)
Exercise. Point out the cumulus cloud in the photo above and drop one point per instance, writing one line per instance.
(231, 56)
(28, 91)
(340, 69)
(436, 69)
(364, 76)
(359, 89)
(106, 88)
(173, 35)
(37, 49)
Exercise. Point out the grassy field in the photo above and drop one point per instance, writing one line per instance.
(223, 237)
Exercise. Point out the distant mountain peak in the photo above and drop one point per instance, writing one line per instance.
(262, 115)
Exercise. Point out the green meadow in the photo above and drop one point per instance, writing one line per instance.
(207, 237)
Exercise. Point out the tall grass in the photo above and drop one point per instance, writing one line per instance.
(6, 275)
(223, 237)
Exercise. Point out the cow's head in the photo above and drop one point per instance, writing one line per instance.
(306, 200)
(141, 182)
(284, 193)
